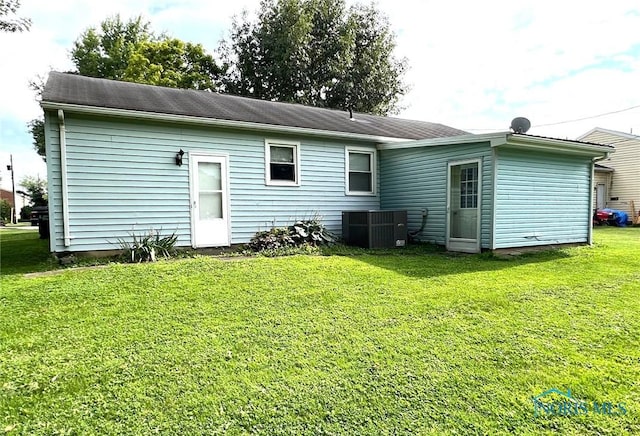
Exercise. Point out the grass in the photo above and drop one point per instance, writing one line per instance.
(416, 341)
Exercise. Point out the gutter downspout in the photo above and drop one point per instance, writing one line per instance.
(591, 186)
(64, 189)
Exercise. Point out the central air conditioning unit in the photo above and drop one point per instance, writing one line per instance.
(375, 228)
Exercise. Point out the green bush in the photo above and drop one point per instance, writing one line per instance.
(148, 247)
(310, 233)
(5, 210)
(25, 212)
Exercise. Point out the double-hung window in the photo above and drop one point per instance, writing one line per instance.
(282, 163)
(360, 171)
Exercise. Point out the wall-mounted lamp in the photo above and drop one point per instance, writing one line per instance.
(179, 157)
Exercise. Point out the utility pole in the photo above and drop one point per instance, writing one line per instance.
(14, 214)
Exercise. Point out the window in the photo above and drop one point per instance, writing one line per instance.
(282, 161)
(469, 187)
(360, 171)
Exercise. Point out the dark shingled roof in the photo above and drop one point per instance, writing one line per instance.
(103, 93)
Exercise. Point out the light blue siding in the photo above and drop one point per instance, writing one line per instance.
(122, 178)
(416, 178)
(541, 198)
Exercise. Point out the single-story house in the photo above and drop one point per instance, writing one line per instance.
(125, 157)
(617, 181)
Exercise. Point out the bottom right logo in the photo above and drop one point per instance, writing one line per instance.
(554, 402)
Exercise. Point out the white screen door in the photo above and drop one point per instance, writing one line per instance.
(209, 201)
(463, 207)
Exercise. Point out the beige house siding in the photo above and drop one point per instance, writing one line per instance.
(601, 178)
(624, 186)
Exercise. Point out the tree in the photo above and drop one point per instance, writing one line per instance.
(5, 210)
(36, 189)
(316, 52)
(173, 63)
(36, 126)
(10, 7)
(131, 52)
(106, 52)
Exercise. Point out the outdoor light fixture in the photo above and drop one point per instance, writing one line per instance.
(179, 157)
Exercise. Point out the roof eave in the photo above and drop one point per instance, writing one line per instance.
(557, 145)
(215, 122)
(496, 138)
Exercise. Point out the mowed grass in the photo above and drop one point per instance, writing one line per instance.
(416, 341)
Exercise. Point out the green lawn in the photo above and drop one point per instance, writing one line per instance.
(418, 341)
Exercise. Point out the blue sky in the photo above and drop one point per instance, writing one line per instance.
(473, 65)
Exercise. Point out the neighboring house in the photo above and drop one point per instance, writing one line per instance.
(617, 183)
(601, 186)
(125, 157)
(7, 195)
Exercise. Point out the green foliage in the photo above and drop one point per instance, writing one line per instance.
(410, 343)
(173, 63)
(132, 52)
(106, 52)
(271, 239)
(25, 212)
(17, 24)
(318, 53)
(5, 210)
(148, 247)
(36, 189)
(311, 233)
(36, 128)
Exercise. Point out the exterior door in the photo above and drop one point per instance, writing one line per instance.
(600, 195)
(464, 206)
(209, 201)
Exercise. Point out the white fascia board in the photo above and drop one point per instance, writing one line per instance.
(496, 139)
(245, 125)
(557, 145)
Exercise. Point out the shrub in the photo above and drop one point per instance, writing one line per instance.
(5, 210)
(310, 233)
(25, 212)
(147, 247)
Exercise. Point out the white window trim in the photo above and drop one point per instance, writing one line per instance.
(374, 165)
(268, 143)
